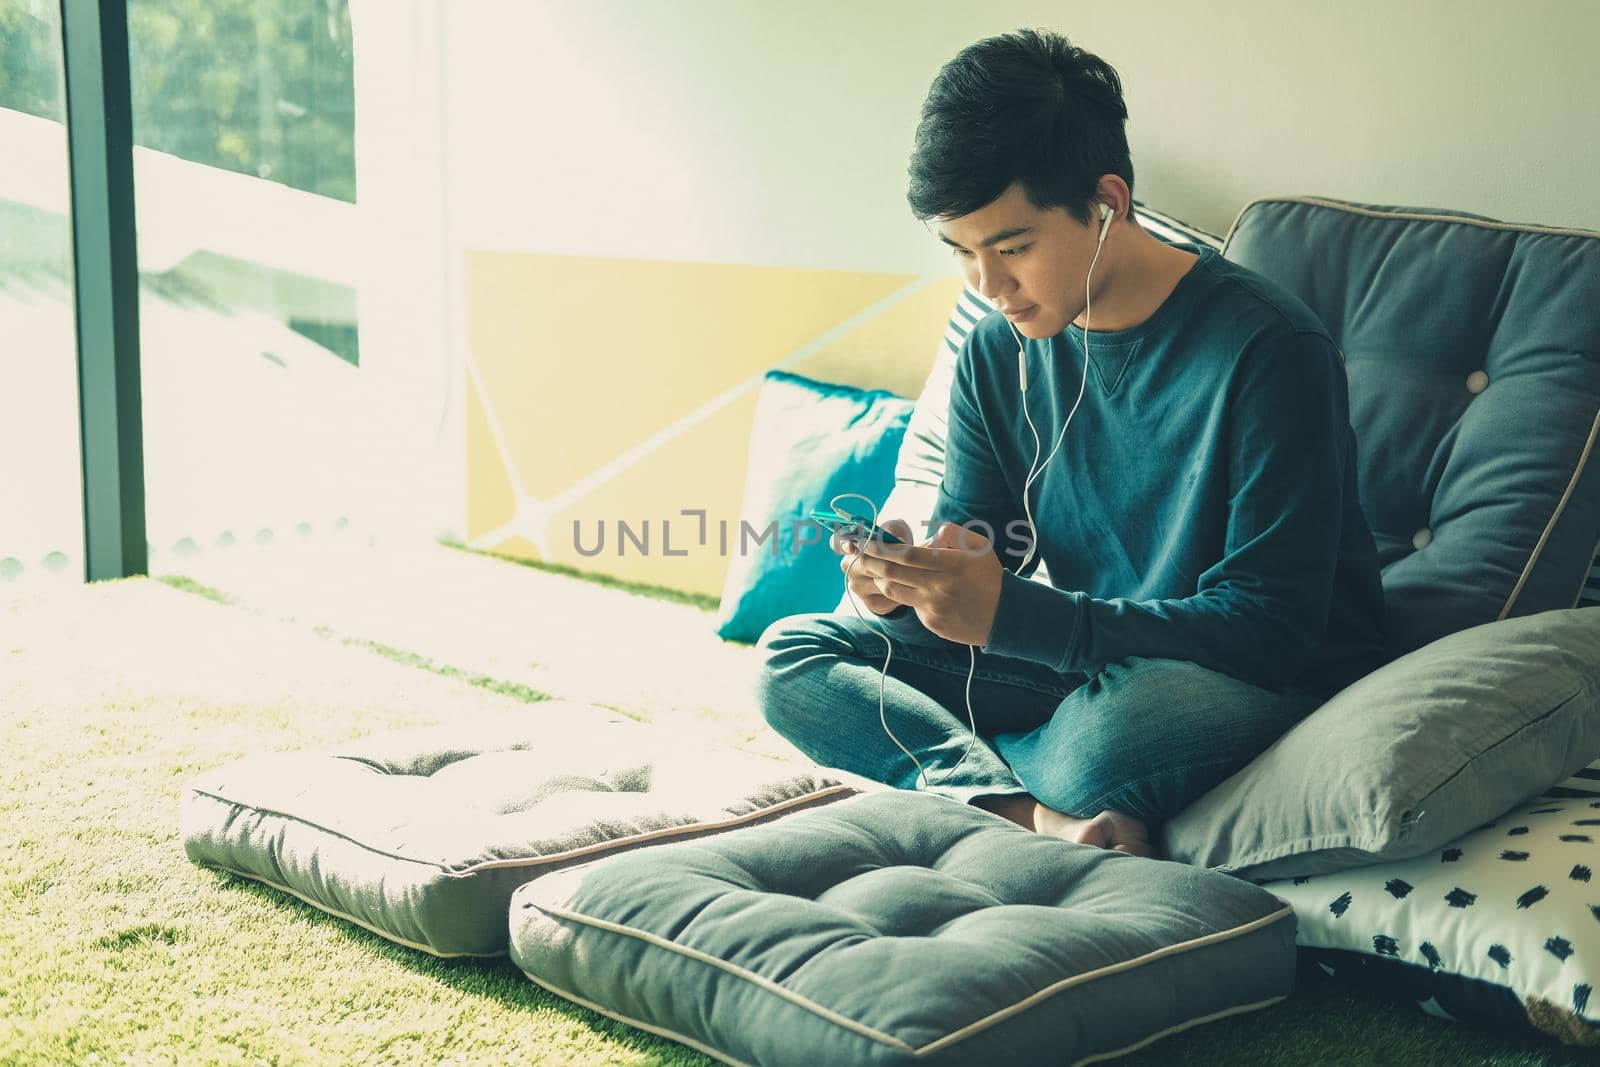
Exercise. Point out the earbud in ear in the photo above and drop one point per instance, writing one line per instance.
(1105, 210)
(1105, 223)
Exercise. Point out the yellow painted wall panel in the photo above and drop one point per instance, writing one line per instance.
(702, 469)
(634, 418)
(893, 350)
(517, 548)
(584, 358)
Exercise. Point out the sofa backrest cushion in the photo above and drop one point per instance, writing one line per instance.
(1473, 353)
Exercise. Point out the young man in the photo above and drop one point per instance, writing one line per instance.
(1212, 576)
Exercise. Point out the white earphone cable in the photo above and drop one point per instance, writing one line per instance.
(1033, 474)
(1034, 470)
(888, 653)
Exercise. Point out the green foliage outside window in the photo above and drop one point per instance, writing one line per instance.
(261, 87)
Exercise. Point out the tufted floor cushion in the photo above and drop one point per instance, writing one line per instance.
(422, 836)
(900, 927)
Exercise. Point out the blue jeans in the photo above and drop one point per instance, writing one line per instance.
(1143, 736)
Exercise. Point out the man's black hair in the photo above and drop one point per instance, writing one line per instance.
(1025, 107)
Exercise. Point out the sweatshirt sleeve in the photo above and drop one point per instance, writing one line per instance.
(1259, 613)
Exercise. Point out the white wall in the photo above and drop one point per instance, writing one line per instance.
(752, 131)
(757, 133)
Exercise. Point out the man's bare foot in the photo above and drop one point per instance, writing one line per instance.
(1016, 807)
(1109, 829)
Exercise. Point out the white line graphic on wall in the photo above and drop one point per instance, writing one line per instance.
(532, 517)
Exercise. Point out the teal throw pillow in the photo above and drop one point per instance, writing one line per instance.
(810, 442)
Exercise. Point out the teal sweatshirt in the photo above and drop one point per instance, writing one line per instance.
(1203, 504)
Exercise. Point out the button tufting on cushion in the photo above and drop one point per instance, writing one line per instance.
(1005, 946)
(1422, 539)
(1477, 382)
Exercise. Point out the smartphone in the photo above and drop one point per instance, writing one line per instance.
(852, 526)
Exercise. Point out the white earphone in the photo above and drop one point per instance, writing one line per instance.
(888, 653)
(1106, 215)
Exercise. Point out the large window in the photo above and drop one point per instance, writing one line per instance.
(292, 286)
(41, 495)
(245, 179)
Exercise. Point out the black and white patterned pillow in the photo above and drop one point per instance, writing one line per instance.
(1500, 927)
(1590, 596)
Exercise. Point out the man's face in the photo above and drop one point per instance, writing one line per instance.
(1030, 262)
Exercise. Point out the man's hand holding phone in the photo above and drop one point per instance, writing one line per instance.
(952, 581)
(865, 588)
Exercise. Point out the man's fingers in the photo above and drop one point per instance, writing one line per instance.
(895, 569)
(918, 556)
(899, 592)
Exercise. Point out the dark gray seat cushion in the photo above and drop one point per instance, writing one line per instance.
(1473, 351)
(422, 836)
(899, 928)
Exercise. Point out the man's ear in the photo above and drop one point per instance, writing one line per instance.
(1111, 189)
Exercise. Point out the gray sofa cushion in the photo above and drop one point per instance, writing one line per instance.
(901, 928)
(422, 836)
(1411, 756)
(1473, 351)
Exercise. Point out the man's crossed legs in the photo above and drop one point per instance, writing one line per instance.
(1100, 760)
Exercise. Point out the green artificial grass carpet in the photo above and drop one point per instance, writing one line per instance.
(114, 948)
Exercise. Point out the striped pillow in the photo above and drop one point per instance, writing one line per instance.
(1584, 783)
(1589, 595)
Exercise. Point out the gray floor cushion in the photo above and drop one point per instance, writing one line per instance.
(898, 928)
(422, 836)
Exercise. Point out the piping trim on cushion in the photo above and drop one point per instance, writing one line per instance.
(1555, 517)
(1340, 205)
(336, 913)
(684, 830)
(864, 1030)
(722, 1057)
(1189, 1024)
(682, 1039)
(1115, 968)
